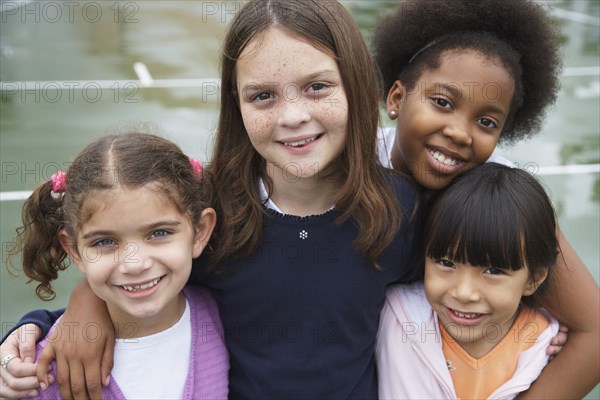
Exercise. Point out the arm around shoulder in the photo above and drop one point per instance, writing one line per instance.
(574, 299)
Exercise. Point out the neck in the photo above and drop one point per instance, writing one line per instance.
(303, 196)
(397, 160)
(129, 326)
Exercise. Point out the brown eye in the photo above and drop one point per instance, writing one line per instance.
(488, 123)
(446, 263)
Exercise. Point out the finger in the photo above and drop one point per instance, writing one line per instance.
(7, 393)
(553, 350)
(63, 376)
(107, 361)
(43, 365)
(19, 369)
(21, 384)
(93, 380)
(28, 335)
(77, 377)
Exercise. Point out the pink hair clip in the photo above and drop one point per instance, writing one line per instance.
(197, 165)
(59, 184)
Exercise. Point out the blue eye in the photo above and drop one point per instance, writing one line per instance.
(318, 86)
(105, 242)
(159, 234)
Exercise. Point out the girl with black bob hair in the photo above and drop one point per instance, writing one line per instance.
(489, 246)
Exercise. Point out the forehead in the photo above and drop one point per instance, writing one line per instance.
(277, 54)
(125, 204)
(471, 67)
(472, 76)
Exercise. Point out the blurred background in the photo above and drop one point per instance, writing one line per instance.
(71, 71)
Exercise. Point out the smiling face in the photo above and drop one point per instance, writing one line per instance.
(136, 251)
(292, 103)
(452, 120)
(476, 305)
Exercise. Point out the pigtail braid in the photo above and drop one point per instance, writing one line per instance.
(38, 240)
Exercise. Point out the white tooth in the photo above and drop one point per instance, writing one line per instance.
(442, 158)
(301, 142)
(141, 287)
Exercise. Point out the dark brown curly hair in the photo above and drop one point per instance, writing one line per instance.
(517, 32)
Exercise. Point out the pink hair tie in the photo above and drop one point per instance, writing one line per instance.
(59, 184)
(197, 165)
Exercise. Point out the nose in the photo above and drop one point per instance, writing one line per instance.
(465, 289)
(294, 110)
(134, 260)
(459, 131)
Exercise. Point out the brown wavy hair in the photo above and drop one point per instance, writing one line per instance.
(237, 166)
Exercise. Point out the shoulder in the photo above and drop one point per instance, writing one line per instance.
(405, 188)
(497, 158)
(409, 298)
(202, 303)
(385, 140)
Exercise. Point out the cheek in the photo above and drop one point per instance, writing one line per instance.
(434, 284)
(485, 147)
(333, 108)
(257, 124)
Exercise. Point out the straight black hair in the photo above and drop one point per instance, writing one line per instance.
(497, 217)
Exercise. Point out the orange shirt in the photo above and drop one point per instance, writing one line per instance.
(479, 378)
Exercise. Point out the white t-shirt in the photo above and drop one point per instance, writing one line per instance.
(385, 141)
(165, 357)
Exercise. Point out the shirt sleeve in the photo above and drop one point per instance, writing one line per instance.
(44, 319)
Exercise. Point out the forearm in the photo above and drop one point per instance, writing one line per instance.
(572, 374)
(44, 319)
(574, 299)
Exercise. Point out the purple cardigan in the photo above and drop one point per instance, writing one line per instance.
(209, 362)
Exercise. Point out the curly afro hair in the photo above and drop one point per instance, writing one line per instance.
(519, 33)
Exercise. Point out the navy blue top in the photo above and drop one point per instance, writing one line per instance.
(301, 314)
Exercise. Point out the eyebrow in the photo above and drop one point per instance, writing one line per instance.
(255, 85)
(149, 227)
(457, 93)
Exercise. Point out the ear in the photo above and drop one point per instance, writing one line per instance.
(535, 281)
(70, 247)
(204, 229)
(396, 96)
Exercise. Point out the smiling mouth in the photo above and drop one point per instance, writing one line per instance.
(301, 143)
(465, 315)
(444, 159)
(145, 286)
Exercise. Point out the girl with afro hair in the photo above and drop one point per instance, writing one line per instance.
(459, 77)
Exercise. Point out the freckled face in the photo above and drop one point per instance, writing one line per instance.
(293, 104)
(451, 121)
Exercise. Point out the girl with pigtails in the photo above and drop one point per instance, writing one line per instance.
(139, 193)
